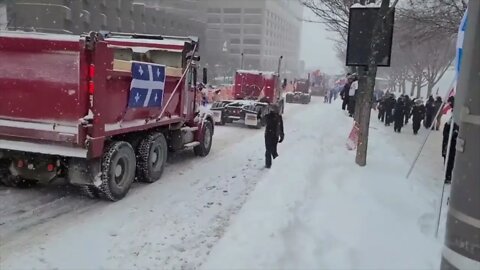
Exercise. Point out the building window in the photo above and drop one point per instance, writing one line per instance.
(234, 51)
(252, 41)
(232, 20)
(214, 10)
(254, 31)
(235, 41)
(253, 11)
(214, 20)
(232, 10)
(252, 51)
(233, 30)
(253, 19)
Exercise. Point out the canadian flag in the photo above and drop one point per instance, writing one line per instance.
(447, 106)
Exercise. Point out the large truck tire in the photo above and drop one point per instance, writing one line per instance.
(205, 146)
(117, 170)
(152, 156)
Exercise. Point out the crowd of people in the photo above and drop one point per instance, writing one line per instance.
(399, 111)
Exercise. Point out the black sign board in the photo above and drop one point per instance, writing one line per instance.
(360, 34)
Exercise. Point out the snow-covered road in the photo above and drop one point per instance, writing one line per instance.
(170, 224)
(313, 209)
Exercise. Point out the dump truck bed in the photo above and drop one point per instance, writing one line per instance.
(59, 97)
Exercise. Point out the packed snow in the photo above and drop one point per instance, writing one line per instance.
(315, 209)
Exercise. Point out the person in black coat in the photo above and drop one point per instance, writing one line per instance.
(381, 109)
(451, 155)
(429, 112)
(408, 108)
(399, 114)
(344, 93)
(418, 114)
(273, 134)
(389, 106)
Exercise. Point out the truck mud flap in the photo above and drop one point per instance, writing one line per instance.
(217, 116)
(251, 119)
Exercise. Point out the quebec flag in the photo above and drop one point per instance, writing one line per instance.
(460, 39)
(148, 85)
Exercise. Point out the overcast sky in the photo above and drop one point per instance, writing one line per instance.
(317, 49)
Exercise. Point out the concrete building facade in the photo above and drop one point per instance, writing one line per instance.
(263, 30)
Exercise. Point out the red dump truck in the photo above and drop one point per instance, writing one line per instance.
(100, 110)
(319, 83)
(301, 92)
(253, 91)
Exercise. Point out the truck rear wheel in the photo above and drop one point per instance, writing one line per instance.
(203, 149)
(151, 158)
(117, 170)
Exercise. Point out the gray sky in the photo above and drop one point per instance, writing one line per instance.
(317, 49)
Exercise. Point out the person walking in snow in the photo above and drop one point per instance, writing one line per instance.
(344, 93)
(446, 135)
(273, 134)
(352, 96)
(399, 114)
(418, 114)
(429, 112)
(389, 106)
(381, 109)
(408, 108)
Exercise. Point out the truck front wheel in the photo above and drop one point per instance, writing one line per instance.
(118, 170)
(151, 158)
(203, 149)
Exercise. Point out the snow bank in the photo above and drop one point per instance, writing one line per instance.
(316, 210)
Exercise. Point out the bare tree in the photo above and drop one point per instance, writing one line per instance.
(435, 15)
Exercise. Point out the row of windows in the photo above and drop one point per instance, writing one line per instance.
(246, 41)
(236, 20)
(245, 51)
(235, 11)
(248, 31)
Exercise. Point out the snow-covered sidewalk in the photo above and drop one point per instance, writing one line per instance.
(317, 210)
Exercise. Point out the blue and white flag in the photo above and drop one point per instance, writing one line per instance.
(460, 39)
(148, 85)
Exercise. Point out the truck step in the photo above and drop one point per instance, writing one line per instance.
(189, 129)
(192, 144)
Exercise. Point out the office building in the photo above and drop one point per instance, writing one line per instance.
(263, 30)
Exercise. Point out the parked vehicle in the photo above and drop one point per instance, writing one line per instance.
(253, 91)
(319, 83)
(100, 110)
(301, 92)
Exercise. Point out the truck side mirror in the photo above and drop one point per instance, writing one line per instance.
(205, 77)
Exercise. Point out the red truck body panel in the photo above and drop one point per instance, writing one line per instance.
(256, 85)
(44, 92)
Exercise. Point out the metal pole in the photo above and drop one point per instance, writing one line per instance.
(241, 63)
(445, 165)
(462, 240)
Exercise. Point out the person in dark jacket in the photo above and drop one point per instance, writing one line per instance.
(418, 114)
(451, 154)
(381, 109)
(408, 108)
(389, 106)
(429, 112)
(438, 107)
(344, 93)
(399, 114)
(273, 134)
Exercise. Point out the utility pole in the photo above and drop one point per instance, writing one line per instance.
(462, 240)
(365, 97)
